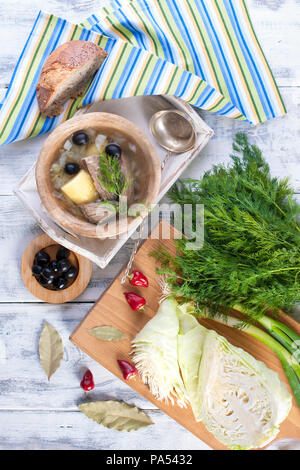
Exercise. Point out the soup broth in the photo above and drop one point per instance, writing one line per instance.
(90, 174)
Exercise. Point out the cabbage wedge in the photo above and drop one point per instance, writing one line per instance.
(239, 400)
(155, 355)
(191, 340)
(242, 402)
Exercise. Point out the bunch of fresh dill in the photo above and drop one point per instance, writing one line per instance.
(251, 251)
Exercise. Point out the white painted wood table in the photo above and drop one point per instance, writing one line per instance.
(35, 414)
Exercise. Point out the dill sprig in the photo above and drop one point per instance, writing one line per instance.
(251, 251)
(111, 175)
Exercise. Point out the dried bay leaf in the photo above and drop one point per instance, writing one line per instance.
(116, 415)
(107, 333)
(51, 349)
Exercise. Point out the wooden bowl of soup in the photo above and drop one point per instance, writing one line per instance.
(97, 175)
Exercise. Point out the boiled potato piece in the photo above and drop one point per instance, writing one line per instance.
(81, 189)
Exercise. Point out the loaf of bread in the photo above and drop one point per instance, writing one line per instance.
(66, 73)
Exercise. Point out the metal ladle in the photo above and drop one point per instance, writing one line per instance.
(174, 131)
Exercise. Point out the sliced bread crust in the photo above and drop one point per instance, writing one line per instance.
(66, 73)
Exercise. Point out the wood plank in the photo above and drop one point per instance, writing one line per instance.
(275, 21)
(17, 19)
(23, 382)
(278, 139)
(112, 309)
(277, 27)
(60, 430)
(49, 419)
(46, 412)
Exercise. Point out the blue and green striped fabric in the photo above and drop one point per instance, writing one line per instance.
(203, 51)
(213, 39)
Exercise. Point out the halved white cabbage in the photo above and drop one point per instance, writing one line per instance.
(241, 401)
(155, 354)
(238, 398)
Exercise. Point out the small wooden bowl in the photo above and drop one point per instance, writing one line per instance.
(45, 243)
(145, 158)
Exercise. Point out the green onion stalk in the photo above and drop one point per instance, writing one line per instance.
(281, 332)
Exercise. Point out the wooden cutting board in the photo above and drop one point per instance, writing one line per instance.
(112, 309)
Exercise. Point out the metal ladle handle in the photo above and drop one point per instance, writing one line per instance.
(167, 157)
(135, 248)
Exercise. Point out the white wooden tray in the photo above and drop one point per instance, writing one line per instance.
(138, 110)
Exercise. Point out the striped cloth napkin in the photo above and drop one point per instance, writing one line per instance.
(203, 51)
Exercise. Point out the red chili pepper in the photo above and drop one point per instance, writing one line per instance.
(135, 301)
(128, 370)
(137, 278)
(87, 382)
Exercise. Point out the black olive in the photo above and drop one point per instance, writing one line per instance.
(62, 253)
(71, 273)
(63, 265)
(53, 266)
(72, 168)
(42, 258)
(44, 282)
(80, 138)
(60, 283)
(48, 273)
(114, 150)
(37, 269)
